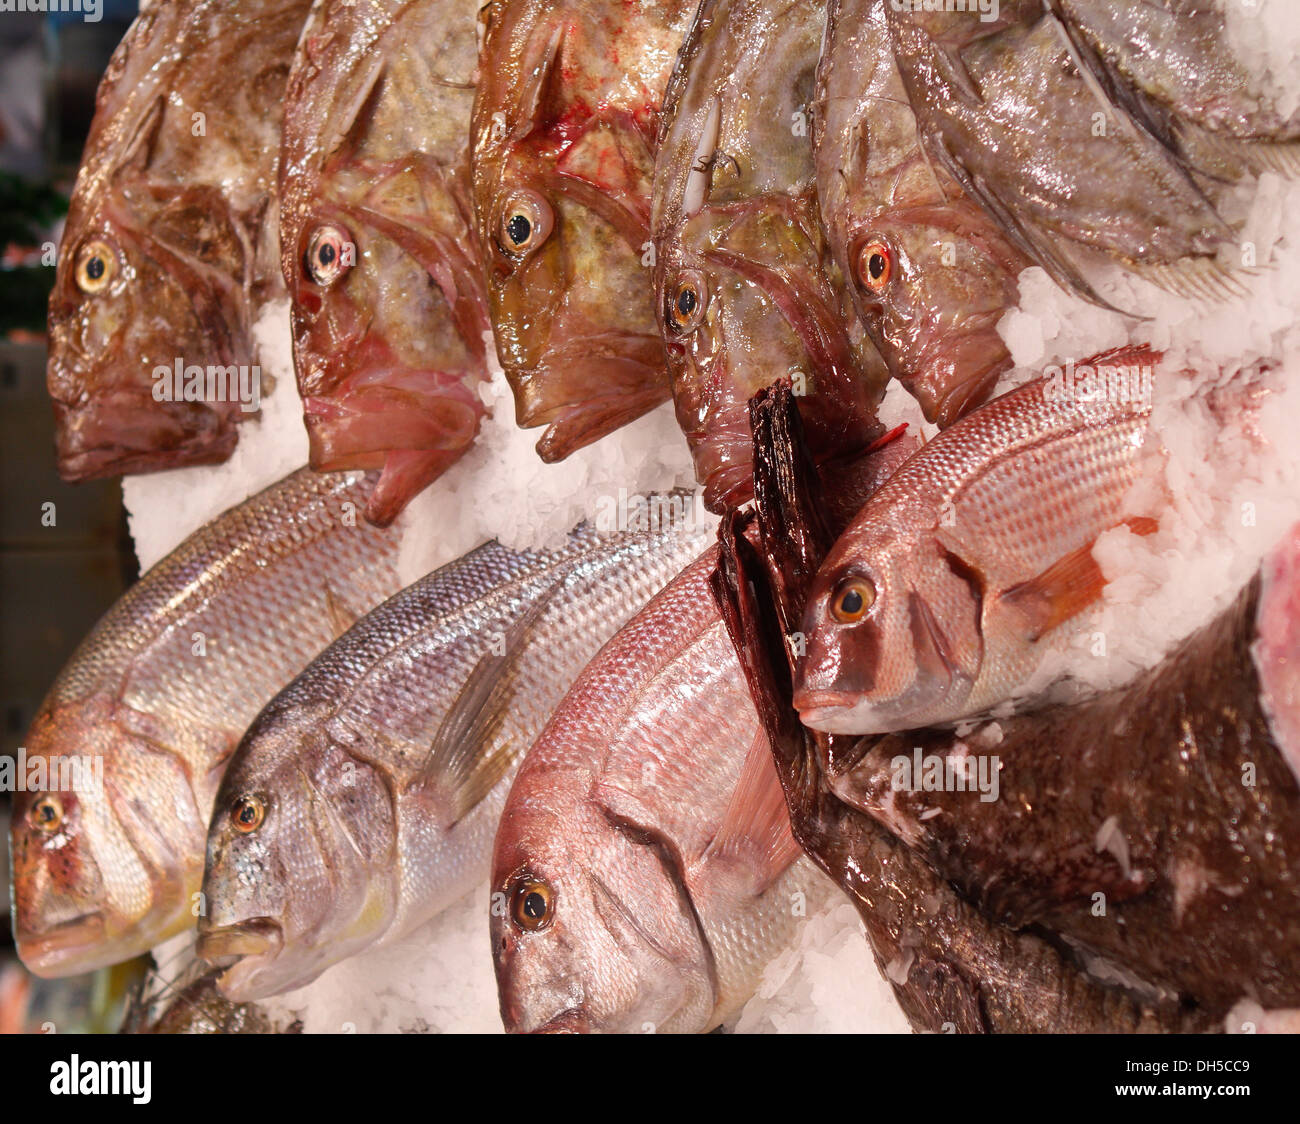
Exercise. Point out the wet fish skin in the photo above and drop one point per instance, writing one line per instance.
(953, 969)
(1170, 796)
(369, 831)
(102, 875)
(950, 271)
(980, 105)
(193, 1005)
(389, 350)
(617, 816)
(736, 233)
(966, 564)
(172, 214)
(565, 125)
(1176, 54)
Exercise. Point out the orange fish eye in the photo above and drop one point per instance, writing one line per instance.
(330, 254)
(687, 301)
(46, 813)
(248, 813)
(532, 905)
(526, 223)
(875, 265)
(96, 267)
(851, 600)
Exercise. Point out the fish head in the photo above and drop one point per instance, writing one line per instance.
(931, 284)
(591, 927)
(148, 277)
(562, 186)
(301, 837)
(892, 631)
(105, 833)
(388, 312)
(745, 301)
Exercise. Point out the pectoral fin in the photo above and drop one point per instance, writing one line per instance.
(1062, 591)
(469, 753)
(756, 824)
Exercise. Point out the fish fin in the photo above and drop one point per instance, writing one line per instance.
(542, 54)
(1062, 591)
(1201, 279)
(138, 151)
(468, 754)
(341, 617)
(936, 670)
(756, 823)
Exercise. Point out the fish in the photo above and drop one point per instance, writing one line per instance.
(980, 100)
(748, 291)
(952, 967)
(379, 253)
(643, 872)
(565, 130)
(364, 798)
(958, 575)
(1173, 800)
(930, 272)
(171, 248)
(1175, 59)
(191, 1004)
(126, 751)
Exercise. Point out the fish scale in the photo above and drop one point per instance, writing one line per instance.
(161, 690)
(406, 730)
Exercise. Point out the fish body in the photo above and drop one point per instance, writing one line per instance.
(1172, 796)
(747, 289)
(158, 696)
(171, 247)
(955, 578)
(565, 128)
(378, 248)
(382, 769)
(980, 103)
(644, 854)
(931, 273)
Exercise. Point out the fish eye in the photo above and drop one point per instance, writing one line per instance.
(248, 813)
(526, 223)
(687, 301)
(875, 265)
(46, 813)
(532, 905)
(330, 254)
(852, 599)
(96, 267)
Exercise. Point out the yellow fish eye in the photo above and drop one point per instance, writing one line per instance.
(526, 223)
(687, 301)
(875, 265)
(851, 600)
(248, 813)
(96, 267)
(46, 813)
(532, 905)
(330, 254)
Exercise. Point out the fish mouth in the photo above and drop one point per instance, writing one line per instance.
(125, 433)
(589, 389)
(243, 951)
(56, 951)
(944, 400)
(833, 712)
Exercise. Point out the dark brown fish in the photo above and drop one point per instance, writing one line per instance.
(952, 967)
(566, 121)
(748, 290)
(378, 246)
(172, 247)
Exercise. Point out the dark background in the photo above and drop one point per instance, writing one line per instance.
(55, 582)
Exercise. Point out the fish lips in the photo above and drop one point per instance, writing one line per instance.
(60, 950)
(244, 950)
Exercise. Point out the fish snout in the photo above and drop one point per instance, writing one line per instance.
(243, 950)
(60, 949)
